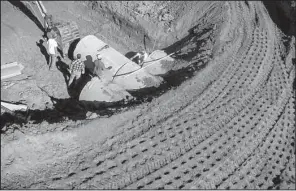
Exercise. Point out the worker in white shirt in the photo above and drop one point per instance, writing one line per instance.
(52, 49)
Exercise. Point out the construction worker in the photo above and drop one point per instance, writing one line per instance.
(52, 49)
(77, 68)
(99, 66)
(140, 57)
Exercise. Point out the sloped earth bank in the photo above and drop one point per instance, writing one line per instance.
(231, 125)
(47, 96)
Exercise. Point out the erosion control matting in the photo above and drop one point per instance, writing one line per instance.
(229, 126)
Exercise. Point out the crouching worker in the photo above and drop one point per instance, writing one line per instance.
(100, 67)
(140, 58)
(76, 69)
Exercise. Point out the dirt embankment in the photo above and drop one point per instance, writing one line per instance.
(229, 126)
(283, 14)
(123, 29)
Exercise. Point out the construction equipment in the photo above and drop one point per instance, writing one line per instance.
(65, 32)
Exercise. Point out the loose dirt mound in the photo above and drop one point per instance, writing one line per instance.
(232, 125)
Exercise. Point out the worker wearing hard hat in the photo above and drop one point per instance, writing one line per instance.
(140, 57)
(100, 66)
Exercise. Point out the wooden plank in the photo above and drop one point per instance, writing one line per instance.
(11, 70)
(14, 107)
(9, 65)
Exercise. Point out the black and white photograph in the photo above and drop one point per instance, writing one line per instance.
(148, 95)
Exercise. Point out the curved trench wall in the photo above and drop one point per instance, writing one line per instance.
(160, 32)
(230, 127)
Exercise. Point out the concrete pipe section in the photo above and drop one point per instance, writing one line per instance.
(129, 75)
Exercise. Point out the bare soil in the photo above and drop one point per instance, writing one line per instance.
(125, 30)
(223, 118)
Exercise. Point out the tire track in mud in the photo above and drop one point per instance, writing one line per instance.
(224, 135)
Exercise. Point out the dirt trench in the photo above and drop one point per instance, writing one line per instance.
(229, 125)
(67, 110)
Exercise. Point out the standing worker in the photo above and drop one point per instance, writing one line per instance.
(76, 69)
(52, 49)
(100, 66)
(140, 57)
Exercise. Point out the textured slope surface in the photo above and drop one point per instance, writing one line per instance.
(231, 126)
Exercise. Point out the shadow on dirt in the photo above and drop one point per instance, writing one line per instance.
(65, 109)
(171, 79)
(75, 89)
(63, 68)
(191, 45)
(43, 50)
(76, 110)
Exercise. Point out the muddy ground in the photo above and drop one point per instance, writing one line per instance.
(63, 146)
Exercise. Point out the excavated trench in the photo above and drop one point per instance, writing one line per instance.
(226, 120)
(76, 110)
(186, 50)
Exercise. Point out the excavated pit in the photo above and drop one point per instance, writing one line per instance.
(72, 109)
(184, 67)
(223, 119)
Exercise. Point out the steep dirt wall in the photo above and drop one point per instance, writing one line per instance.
(163, 23)
(283, 13)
